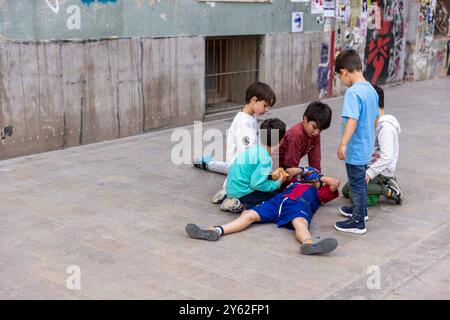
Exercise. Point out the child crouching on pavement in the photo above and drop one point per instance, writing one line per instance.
(292, 209)
(248, 182)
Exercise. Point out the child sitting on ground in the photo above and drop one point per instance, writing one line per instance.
(292, 209)
(248, 181)
(242, 133)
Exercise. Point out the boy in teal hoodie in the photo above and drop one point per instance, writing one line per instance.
(248, 183)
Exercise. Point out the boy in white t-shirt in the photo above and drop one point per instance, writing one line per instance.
(243, 132)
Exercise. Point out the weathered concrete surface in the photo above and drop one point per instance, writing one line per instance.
(64, 94)
(118, 210)
(289, 64)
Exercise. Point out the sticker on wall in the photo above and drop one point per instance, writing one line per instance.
(297, 21)
(320, 19)
(329, 8)
(316, 6)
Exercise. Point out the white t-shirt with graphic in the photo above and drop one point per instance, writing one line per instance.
(242, 134)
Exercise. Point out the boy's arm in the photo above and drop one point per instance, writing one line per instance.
(314, 156)
(329, 190)
(292, 153)
(386, 143)
(349, 129)
(332, 182)
(259, 178)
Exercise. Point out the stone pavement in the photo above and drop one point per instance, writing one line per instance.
(117, 210)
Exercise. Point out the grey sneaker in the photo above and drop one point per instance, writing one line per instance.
(319, 246)
(196, 232)
(396, 193)
(231, 204)
(219, 196)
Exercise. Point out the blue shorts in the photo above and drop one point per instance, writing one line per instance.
(281, 211)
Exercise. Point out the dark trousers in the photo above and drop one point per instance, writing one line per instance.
(357, 181)
(256, 197)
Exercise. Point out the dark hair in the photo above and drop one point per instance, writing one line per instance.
(349, 60)
(380, 96)
(320, 113)
(261, 91)
(272, 132)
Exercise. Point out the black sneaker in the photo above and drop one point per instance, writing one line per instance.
(396, 193)
(351, 226)
(347, 211)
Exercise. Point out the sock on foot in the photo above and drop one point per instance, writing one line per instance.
(219, 230)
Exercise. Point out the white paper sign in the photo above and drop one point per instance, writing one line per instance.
(316, 6)
(297, 21)
(329, 8)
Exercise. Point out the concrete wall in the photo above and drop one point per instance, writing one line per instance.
(99, 19)
(289, 64)
(64, 94)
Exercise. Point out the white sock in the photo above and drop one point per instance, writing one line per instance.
(219, 230)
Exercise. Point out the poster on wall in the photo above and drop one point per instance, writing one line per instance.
(297, 21)
(329, 8)
(316, 6)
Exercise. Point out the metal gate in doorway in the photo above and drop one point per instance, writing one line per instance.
(231, 66)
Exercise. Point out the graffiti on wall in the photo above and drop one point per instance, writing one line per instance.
(442, 37)
(431, 41)
(323, 70)
(448, 57)
(426, 26)
(350, 25)
(385, 43)
(441, 16)
(53, 5)
(88, 2)
(398, 25)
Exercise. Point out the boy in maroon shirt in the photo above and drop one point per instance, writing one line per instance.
(304, 138)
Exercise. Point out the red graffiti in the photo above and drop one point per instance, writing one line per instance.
(379, 50)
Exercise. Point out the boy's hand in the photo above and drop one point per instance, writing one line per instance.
(282, 179)
(367, 179)
(341, 151)
(309, 170)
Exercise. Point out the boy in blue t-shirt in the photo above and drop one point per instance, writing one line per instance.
(360, 113)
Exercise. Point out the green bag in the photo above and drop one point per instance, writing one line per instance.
(372, 199)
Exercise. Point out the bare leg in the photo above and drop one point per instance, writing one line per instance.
(301, 230)
(310, 246)
(246, 218)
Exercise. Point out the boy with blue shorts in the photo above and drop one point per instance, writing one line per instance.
(359, 115)
(292, 209)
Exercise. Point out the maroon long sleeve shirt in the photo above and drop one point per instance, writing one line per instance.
(296, 144)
